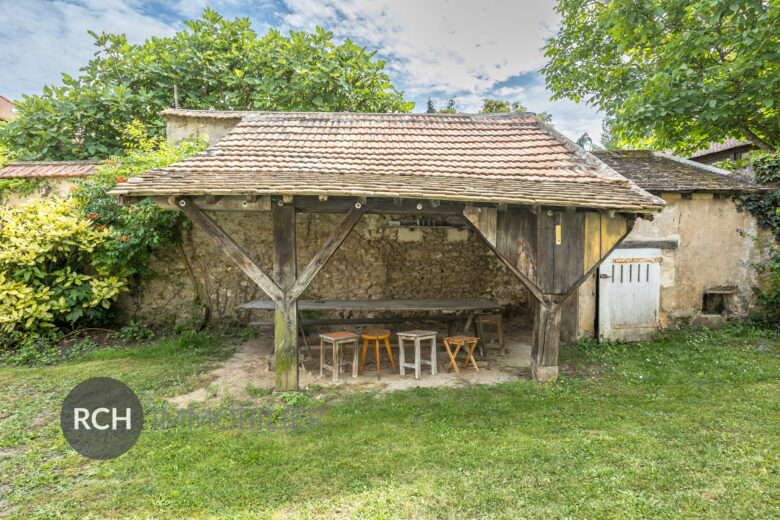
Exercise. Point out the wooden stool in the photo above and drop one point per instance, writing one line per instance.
(490, 319)
(376, 335)
(469, 343)
(417, 336)
(336, 340)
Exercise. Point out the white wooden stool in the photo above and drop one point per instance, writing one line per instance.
(337, 339)
(417, 336)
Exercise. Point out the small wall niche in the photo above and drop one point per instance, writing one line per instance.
(717, 300)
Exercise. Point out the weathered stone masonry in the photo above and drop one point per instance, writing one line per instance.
(376, 261)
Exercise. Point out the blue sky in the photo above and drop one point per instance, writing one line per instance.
(437, 48)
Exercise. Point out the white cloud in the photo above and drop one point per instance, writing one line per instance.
(40, 39)
(441, 48)
(439, 44)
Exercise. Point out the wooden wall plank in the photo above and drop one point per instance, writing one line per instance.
(545, 251)
(592, 249)
(612, 230)
(569, 260)
(526, 248)
(513, 246)
(488, 219)
(504, 238)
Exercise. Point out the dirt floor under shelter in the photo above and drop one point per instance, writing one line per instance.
(252, 363)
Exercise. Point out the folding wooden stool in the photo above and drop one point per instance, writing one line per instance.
(468, 343)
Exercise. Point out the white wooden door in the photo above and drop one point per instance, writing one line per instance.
(629, 293)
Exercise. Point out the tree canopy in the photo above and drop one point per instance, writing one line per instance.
(215, 64)
(496, 106)
(675, 74)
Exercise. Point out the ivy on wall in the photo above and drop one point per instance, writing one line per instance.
(765, 207)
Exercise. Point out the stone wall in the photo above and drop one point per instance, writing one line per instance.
(375, 261)
(715, 252)
(182, 127)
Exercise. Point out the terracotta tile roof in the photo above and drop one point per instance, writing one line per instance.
(479, 158)
(659, 171)
(6, 109)
(49, 169)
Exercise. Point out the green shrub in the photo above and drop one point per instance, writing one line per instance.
(141, 228)
(51, 276)
(63, 262)
(33, 352)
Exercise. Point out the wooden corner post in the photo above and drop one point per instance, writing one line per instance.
(286, 318)
(544, 345)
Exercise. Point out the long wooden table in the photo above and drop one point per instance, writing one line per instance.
(445, 305)
(451, 306)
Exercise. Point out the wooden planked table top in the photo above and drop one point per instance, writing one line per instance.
(437, 304)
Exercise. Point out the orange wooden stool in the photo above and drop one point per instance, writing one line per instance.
(468, 343)
(376, 335)
(337, 340)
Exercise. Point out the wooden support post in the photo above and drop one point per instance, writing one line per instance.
(544, 346)
(286, 318)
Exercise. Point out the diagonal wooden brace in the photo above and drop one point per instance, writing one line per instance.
(229, 246)
(326, 252)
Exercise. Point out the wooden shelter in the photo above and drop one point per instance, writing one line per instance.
(548, 209)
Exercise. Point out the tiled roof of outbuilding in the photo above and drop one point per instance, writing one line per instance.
(728, 144)
(659, 171)
(477, 158)
(34, 169)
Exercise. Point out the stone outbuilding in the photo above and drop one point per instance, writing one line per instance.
(692, 263)
(51, 178)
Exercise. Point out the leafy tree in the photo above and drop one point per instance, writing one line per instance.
(679, 73)
(6, 156)
(450, 109)
(430, 108)
(494, 106)
(585, 142)
(491, 106)
(214, 63)
(609, 140)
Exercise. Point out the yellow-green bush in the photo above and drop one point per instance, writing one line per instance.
(49, 279)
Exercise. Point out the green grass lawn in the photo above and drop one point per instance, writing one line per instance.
(685, 426)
